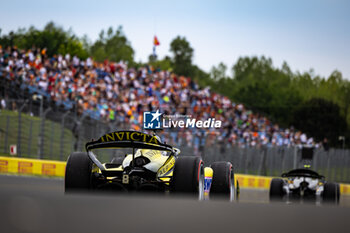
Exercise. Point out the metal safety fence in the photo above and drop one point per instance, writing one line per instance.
(34, 128)
(334, 164)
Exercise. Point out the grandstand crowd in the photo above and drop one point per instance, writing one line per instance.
(113, 91)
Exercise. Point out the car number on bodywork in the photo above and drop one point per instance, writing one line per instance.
(125, 179)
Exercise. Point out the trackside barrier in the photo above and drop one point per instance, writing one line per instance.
(345, 189)
(32, 166)
(250, 181)
(9, 165)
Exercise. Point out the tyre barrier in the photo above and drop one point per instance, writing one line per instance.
(51, 168)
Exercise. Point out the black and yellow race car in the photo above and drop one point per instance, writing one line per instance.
(150, 165)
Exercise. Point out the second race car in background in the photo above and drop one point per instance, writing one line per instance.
(304, 184)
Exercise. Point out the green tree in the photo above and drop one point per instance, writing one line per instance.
(264, 88)
(320, 119)
(345, 99)
(182, 56)
(113, 46)
(201, 77)
(164, 64)
(218, 72)
(54, 38)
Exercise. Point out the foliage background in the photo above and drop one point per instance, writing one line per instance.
(317, 105)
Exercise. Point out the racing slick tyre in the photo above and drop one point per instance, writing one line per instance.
(338, 193)
(188, 176)
(223, 181)
(78, 172)
(331, 192)
(276, 189)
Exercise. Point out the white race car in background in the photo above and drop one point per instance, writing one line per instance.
(304, 184)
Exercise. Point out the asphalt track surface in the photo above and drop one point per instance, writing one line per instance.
(29, 204)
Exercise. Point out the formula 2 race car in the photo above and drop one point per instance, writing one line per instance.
(304, 184)
(150, 165)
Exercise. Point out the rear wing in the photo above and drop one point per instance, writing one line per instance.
(304, 173)
(126, 139)
(129, 139)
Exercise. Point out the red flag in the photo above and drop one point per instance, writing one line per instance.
(156, 41)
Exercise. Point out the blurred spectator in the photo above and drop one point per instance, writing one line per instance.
(113, 91)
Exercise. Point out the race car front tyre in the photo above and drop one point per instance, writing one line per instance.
(331, 192)
(188, 176)
(276, 189)
(223, 181)
(78, 172)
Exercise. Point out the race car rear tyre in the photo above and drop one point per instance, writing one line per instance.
(78, 172)
(188, 176)
(276, 189)
(338, 192)
(223, 181)
(331, 192)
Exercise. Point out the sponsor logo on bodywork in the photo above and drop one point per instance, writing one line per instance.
(129, 136)
(207, 184)
(166, 168)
